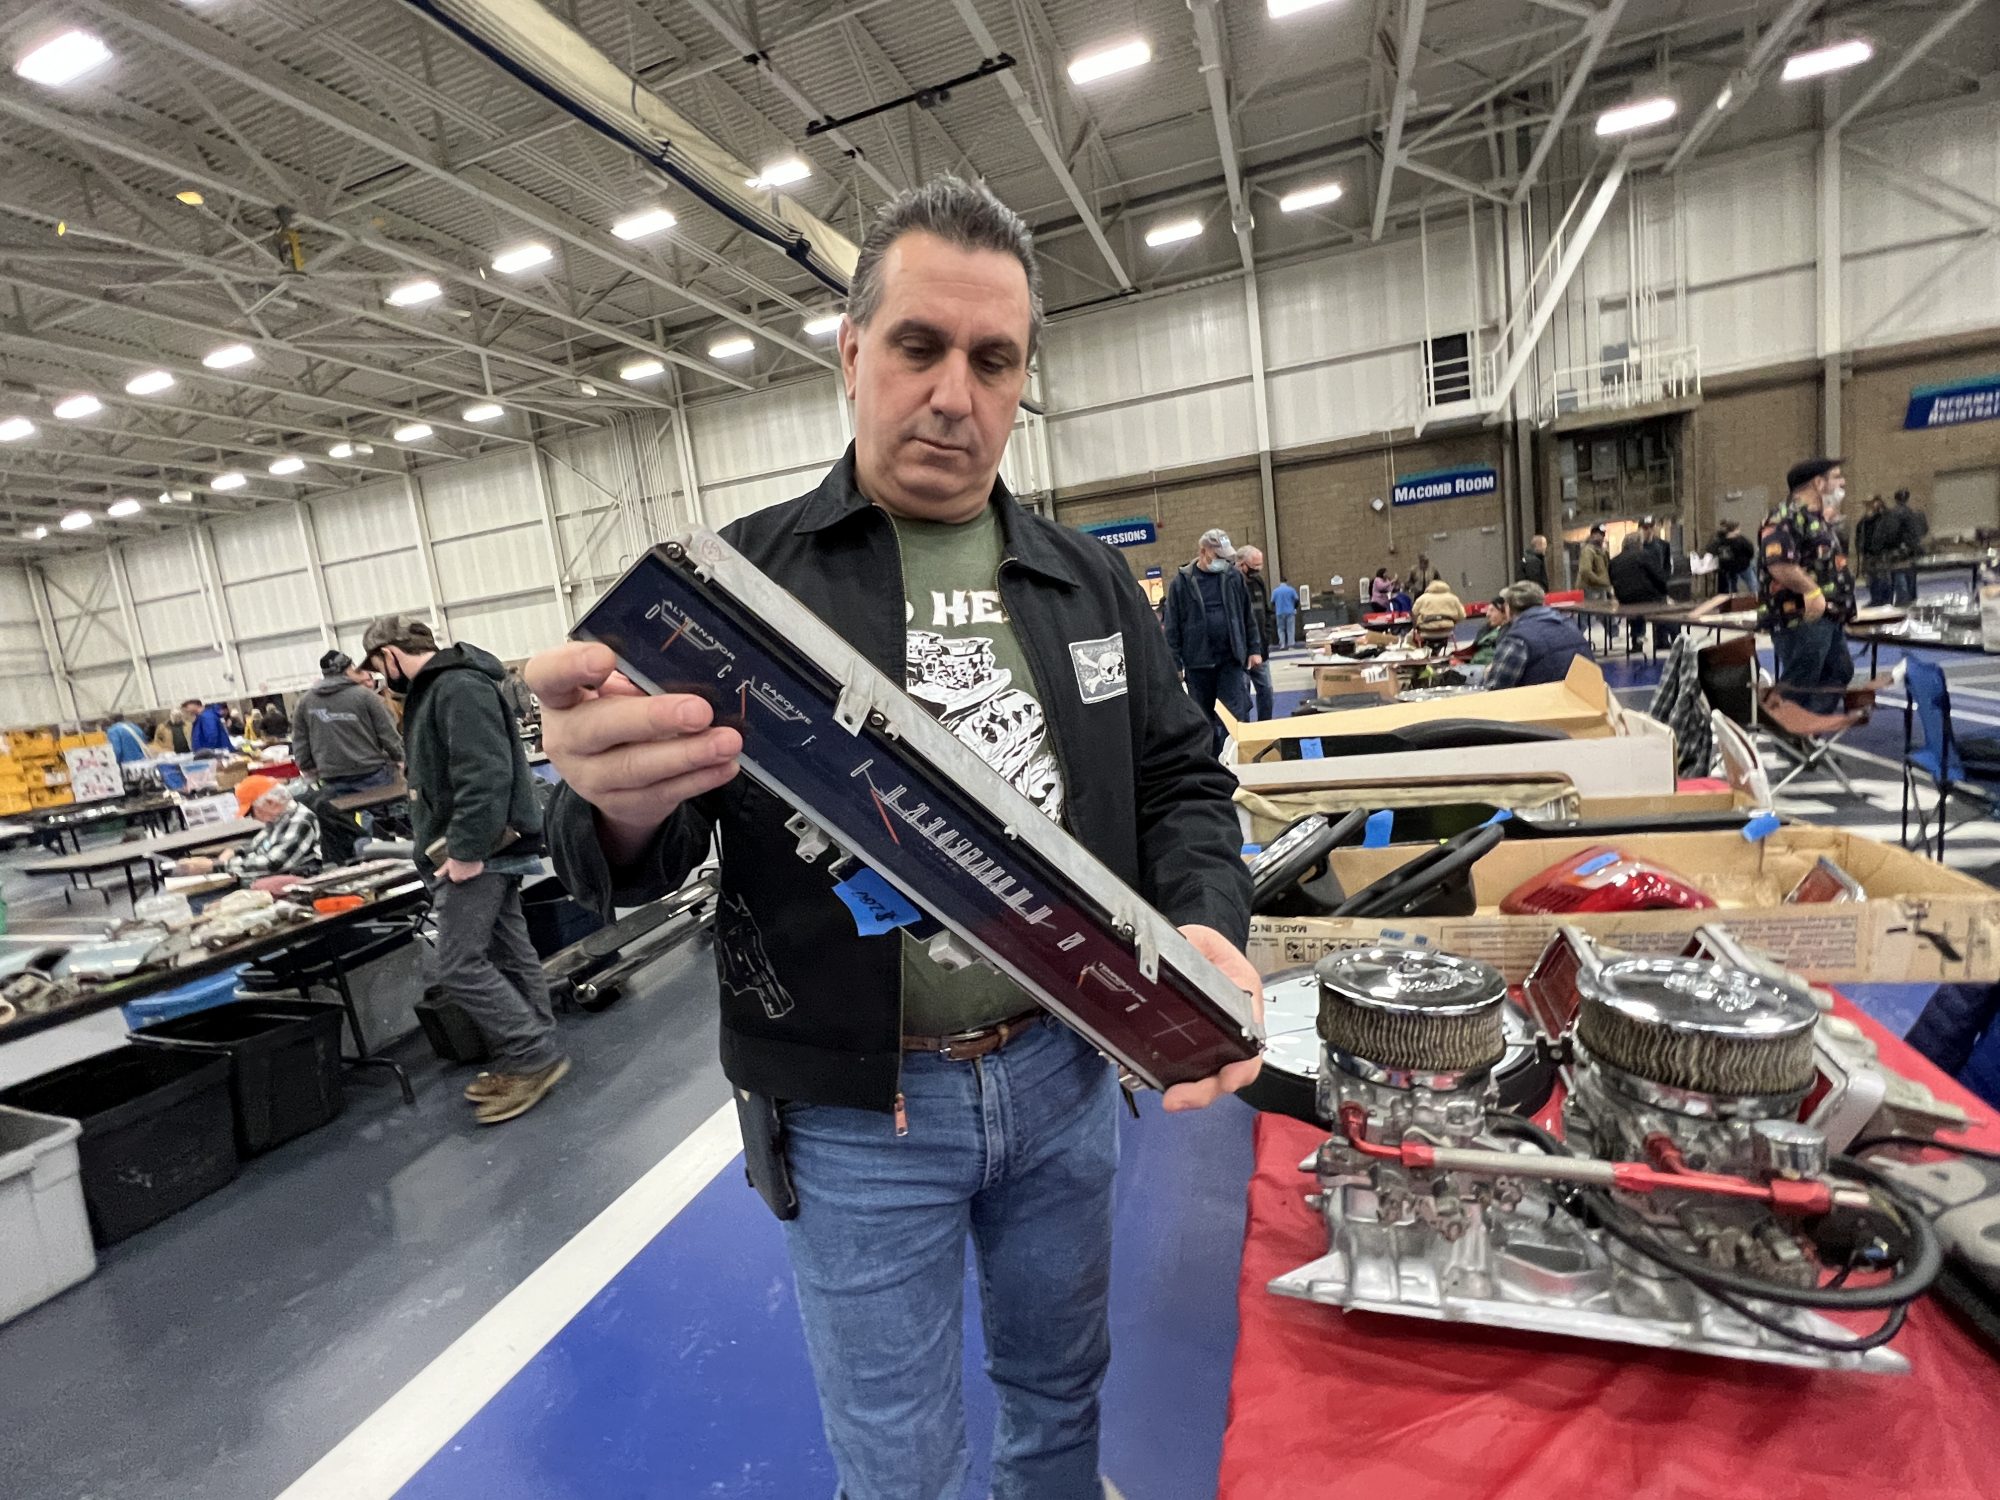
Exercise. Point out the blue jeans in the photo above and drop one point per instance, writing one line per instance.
(1017, 1149)
(1260, 682)
(342, 786)
(1230, 685)
(1906, 586)
(1813, 654)
(1288, 630)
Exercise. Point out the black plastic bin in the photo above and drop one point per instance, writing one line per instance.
(284, 1055)
(156, 1131)
(555, 919)
(449, 1030)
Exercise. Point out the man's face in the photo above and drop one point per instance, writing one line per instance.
(1829, 488)
(267, 810)
(191, 707)
(936, 376)
(1250, 560)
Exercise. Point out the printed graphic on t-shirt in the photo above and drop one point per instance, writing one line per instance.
(959, 679)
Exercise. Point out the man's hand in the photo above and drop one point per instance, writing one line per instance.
(1815, 605)
(458, 871)
(633, 758)
(1255, 663)
(197, 865)
(1219, 951)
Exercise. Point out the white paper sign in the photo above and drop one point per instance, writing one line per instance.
(93, 773)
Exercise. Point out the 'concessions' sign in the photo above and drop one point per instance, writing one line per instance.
(1135, 531)
(1446, 484)
(1975, 400)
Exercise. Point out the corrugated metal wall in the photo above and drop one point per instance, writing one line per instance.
(28, 691)
(1147, 385)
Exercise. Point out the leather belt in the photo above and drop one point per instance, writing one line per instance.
(965, 1046)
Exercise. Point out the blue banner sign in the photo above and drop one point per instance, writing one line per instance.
(1446, 484)
(1134, 531)
(1154, 573)
(1957, 401)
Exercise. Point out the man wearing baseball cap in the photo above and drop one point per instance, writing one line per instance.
(1808, 593)
(1212, 630)
(478, 824)
(289, 844)
(345, 736)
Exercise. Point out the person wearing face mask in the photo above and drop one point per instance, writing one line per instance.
(478, 832)
(1250, 563)
(1808, 593)
(1213, 632)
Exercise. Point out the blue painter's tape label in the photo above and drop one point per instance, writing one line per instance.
(1376, 835)
(1311, 750)
(1591, 867)
(1502, 816)
(1761, 827)
(878, 907)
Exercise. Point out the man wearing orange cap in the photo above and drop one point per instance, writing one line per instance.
(289, 844)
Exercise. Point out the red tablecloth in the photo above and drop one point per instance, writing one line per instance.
(1325, 1403)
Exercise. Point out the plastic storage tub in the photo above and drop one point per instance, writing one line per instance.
(202, 994)
(44, 1230)
(284, 1056)
(157, 1131)
(555, 918)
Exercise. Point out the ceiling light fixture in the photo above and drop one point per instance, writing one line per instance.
(819, 328)
(191, 197)
(165, 497)
(149, 384)
(340, 450)
(73, 408)
(647, 221)
(410, 293)
(641, 369)
(1279, 9)
(484, 411)
(76, 520)
(1635, 116)
(229, 481)
(412, 432)
(35, 533)
(783, 173)
(1309, 197)
(120, 509)
(522, 258)
(62, 60)
(585, 388)
(1120, 57)
(13, 429)
(287, 465)
(1828, 59)
(180, 497)
(1173, 233)
(734, 348)
(229, 356)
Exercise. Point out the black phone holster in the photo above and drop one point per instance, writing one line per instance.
(764, 1152)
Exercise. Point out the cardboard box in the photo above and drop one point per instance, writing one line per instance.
(1580, 705)
(1921, 923)
(1354, 680)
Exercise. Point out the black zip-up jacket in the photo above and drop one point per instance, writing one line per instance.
(1186, 618)
(812, 1012)
(469, 779)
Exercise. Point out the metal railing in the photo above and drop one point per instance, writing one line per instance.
(1638, 378)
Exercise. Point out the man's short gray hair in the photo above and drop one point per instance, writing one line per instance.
(1523, 596)
(961, 213)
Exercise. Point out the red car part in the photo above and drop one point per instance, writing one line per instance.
(1602, 879)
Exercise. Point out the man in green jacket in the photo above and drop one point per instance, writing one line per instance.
(478, 827)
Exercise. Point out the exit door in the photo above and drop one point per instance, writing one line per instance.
(1473, 560)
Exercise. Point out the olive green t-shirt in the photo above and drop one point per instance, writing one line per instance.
(965, 665)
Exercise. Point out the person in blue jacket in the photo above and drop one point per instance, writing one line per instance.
(126, 740)
(208, 728)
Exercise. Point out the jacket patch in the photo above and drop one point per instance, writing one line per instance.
(1100, 667)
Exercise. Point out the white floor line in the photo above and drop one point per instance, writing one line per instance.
(381, 1455)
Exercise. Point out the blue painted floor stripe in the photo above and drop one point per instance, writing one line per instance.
(687, 1375)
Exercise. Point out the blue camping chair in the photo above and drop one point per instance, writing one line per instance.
(1928, 706)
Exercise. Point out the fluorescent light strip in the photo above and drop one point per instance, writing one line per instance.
(340, 450)
(1830, 59)
(485, 411)
(229, 356)
(522, 258)
(123, 508)
(731, 348)
(287, 465)
(13, 429)
(411, 293)
(642, 369)
(1635, 116)
(63, 59)
(149, 384)
(820, 327)
(647, 221)
(1309, 197)
(412, 432)
(1121, 57)
(232, 480)
(1279, 9)
(76, 520)
(73, 408)
(35, 533)
(1174, 233)
(783, 173)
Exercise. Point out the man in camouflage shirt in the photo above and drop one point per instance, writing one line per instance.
(1807, 591)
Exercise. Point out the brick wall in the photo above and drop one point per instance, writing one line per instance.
(1740, 442)
(1885, 458)
(1182, 510)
